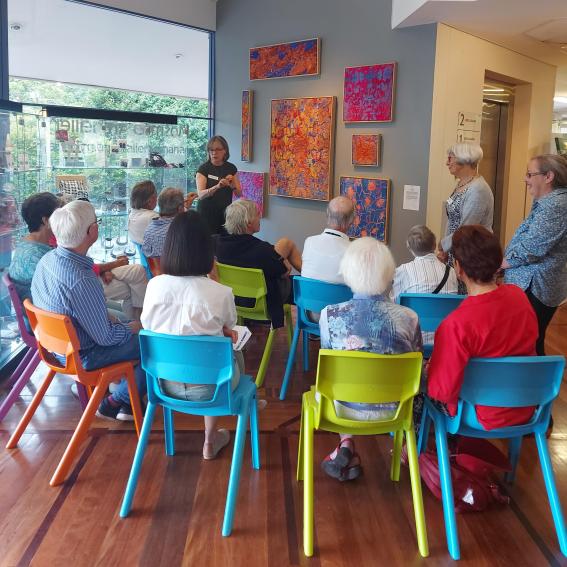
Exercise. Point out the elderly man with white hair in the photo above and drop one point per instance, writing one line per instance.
(240, 248)
(64, 282)
(368, 322)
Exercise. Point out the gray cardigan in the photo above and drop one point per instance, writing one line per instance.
(477, 207)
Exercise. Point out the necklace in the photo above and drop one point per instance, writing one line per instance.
(464, 183)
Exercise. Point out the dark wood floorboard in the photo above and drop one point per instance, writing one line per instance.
(179, 505)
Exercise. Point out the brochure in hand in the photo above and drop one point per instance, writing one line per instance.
(243, 335)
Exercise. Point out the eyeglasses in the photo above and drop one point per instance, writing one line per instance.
(216, 150)
(97, 221)
(530, 174)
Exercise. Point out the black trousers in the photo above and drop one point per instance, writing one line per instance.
(544, 315)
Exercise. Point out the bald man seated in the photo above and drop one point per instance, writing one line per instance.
(322, 253)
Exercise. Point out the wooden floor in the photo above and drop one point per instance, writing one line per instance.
(178, 510)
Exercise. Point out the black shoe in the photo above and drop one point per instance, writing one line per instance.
(107, 411)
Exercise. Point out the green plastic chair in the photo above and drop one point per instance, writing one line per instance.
(251, 284)
(354, 376)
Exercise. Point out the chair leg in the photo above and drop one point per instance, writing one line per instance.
(290, 361)
(447, 490)
(137, 462)
(300, 455)
(423, 430)
(554, 502)
(396, 456)
(265, 359)
(24, 363)
(235, 468)
(420, 527)
(134, 400)
(168, 431)
(79, 435)
(305, 351)
(26, 418)
(254, 433)
(514, 446)
(32, 359)
(308, 493)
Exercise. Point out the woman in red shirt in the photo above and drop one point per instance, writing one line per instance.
(492, 321)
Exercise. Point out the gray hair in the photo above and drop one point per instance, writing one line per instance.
(466, 154)
(557, 165)
(239, 214)
(142, 192)
(170, 200)
(70, 223)
(340, 212)
(368, 266)
(421, 240)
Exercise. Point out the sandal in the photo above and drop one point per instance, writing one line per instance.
(353, 470)
(211, 450)
(334, 467)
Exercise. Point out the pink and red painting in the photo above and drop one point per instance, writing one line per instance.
(301, 147)
(285, 60)
(246, 133)
(366, 149)
(252, 185)
(369, 93)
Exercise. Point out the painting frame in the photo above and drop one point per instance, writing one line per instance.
(266, 48)
(252, 194)
(384, 192)
(247, 108)
(356, 150)
(293, 140)
(349, 112)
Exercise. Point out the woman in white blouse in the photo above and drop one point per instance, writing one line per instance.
(183, 301)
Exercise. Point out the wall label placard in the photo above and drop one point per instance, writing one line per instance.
(469, 121)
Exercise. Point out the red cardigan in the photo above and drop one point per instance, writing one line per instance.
(499, 323)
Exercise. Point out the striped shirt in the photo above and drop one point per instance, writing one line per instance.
(154, 237)
(64, 282)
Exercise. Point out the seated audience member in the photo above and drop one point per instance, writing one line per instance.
(240, 248)
(323, 252)
(492, 321)
(183, 301)
(368, 322)
(64, 282)
(425, 273)
(143, 201)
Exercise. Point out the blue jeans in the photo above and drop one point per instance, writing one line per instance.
(100, 356)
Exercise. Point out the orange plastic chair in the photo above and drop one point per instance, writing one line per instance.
(56, 333)
(155, 266)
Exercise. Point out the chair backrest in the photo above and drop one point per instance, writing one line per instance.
(55, 333)
(27, 337)
(248, 283)
(187, 359)
(315, 295)
(431, 308)
(144, 261)
(363, 377)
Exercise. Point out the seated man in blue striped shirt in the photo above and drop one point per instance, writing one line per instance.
(64, 282)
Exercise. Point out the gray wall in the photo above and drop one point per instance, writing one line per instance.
(355, 32)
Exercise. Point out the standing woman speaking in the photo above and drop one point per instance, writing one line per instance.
(216, 180)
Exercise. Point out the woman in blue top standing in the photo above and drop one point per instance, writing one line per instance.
(536, 258)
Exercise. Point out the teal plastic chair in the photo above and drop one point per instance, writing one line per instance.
(144, 261)
(517, 381)
(431, 308)
(195, 360)
(354, 376)
(310, 295)
(249, 283)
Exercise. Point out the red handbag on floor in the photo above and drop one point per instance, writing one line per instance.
(473, 464)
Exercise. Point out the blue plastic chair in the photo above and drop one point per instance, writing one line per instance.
(310, 295)
(197, 360)
(144, 261)
(431, 308)
(502, 382)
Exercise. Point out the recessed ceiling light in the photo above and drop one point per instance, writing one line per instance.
(16, 27)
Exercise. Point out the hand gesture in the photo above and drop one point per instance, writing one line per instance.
(121, 261)
(135, 326)
(106, 277)
(190, 197)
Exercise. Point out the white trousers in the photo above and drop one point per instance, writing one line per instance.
(129, 286)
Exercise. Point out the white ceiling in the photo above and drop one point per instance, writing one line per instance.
(74, 43)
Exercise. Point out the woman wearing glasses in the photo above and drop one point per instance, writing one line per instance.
(217, 180)
(536, 258)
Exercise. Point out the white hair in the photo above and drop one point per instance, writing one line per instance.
(469, 154)
(71, 223)
(368, 266)
(239, 214)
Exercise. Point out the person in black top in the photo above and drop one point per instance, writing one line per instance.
(216, 180)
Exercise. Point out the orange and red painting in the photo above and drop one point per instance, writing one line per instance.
(246, 139)
(285, 60)
(365, 149)
(371, 202)
(301, 147)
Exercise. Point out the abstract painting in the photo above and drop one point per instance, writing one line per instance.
(252, 185)
(366, 149)
(369, 93)
(285, 60)
(371, 199)
(301, 147)
(246, 133)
